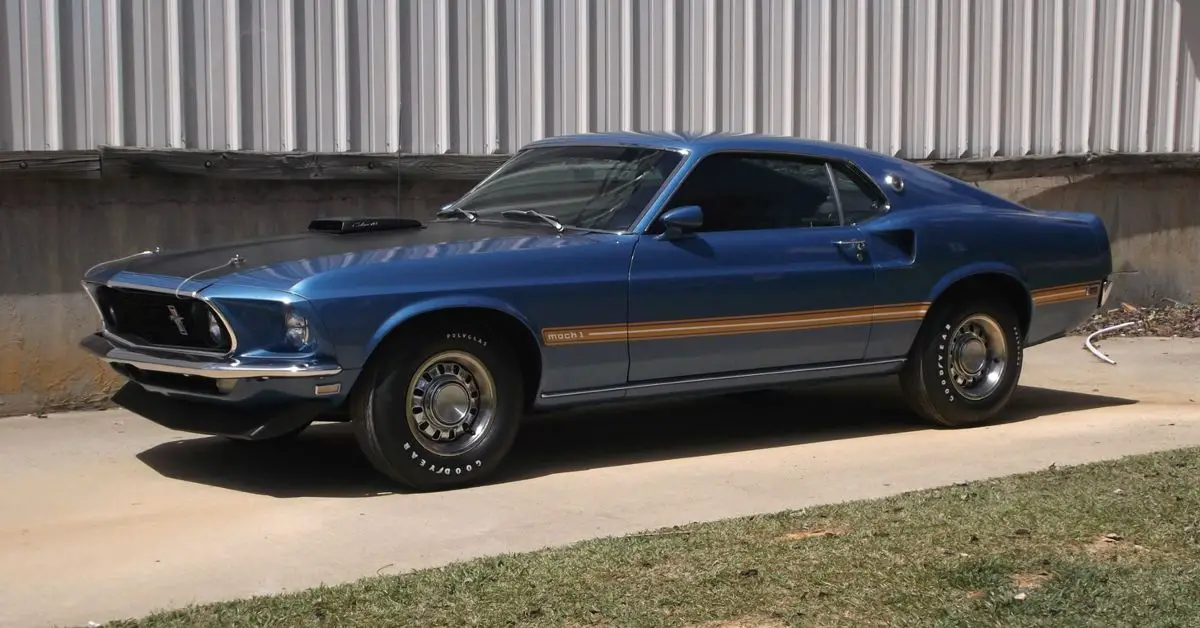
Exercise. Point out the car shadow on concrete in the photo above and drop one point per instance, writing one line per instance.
(325, 461)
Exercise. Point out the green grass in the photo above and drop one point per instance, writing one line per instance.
(1022, 551)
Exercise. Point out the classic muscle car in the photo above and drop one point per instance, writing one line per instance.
(596, 268)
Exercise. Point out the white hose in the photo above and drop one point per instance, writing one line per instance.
(1087, 342)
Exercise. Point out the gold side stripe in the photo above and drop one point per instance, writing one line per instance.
(1064, 294)
(794, 321)
(797, 321)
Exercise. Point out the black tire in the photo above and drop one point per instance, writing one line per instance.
(398, 448)
(928, 380)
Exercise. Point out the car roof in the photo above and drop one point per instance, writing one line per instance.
(923, 186)
(710, 142)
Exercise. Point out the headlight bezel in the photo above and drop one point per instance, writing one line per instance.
(297, 332)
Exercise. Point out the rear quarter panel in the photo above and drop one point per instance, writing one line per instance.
(958, 231)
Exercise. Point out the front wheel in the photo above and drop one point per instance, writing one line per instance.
(441, 408)
(965, 363)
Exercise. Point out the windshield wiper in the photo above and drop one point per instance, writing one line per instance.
(531, 213)
(457, 211)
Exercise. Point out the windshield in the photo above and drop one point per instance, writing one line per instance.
(594, 187)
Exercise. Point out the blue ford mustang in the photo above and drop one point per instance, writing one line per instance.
(595, 268)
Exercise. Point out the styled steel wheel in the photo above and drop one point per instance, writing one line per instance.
(977, 357)
(965, 362)
(439, 406)
(452, 401)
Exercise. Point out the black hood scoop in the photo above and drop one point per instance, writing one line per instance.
(362, 225)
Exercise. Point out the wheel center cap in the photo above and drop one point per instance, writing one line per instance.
(450, 404)
(972, 354)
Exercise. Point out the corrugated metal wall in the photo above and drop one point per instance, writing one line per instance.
(919, 78)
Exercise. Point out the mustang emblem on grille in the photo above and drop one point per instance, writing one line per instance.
(178, 320)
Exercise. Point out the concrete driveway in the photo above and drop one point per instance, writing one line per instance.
(105, 516)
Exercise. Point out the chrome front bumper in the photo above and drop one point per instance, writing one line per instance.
(113, 353)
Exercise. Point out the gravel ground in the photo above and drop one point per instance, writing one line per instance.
(1164, 319)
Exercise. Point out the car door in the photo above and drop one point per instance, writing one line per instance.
(773, 278)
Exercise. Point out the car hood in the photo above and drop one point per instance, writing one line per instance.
(281, 262)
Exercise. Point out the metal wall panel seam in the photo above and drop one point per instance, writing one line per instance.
(287, 76)
(627, 92)
(1048, 52)
(372, 128)
(1110, 99)
(1078, 112)
(750, 90)
(113, 71)
(825, 71)
(1134, 136)
(30, 113)
(233, 119)
(139, 112)
(583, 71)
(1165, 98)
(1025, 142)
(988, 99)
(896, 75)
(1189, 110)
(491, 96)
(708, 81)
(861, 81)
(538, 68)
(51, 74)
(392, 64)
(959, 89)
(925, 79)
(92, 58)
(341, 93)
(174, 75)
(670, 53)
(788, 69)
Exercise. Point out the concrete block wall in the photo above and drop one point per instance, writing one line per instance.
(52, 231)
(1153, 222)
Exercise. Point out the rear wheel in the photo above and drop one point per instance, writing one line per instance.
(965, 363)
(440, 409)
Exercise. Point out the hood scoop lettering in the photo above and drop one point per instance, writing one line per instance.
(362, 225)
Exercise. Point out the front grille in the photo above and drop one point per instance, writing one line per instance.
(159, 319)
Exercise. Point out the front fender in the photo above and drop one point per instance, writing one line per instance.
(434, 304)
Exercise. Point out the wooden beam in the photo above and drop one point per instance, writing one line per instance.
(1066, 165)
(123, 161)
(55, 164)
(117, 161)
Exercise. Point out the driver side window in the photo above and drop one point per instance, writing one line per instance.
(741, 192)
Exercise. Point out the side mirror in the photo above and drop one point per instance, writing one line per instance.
(680, 221)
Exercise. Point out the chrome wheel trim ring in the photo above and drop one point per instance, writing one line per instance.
(977, 357)
(451, 403)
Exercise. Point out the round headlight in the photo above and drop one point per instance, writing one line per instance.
(214, 329)
(296, 330)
